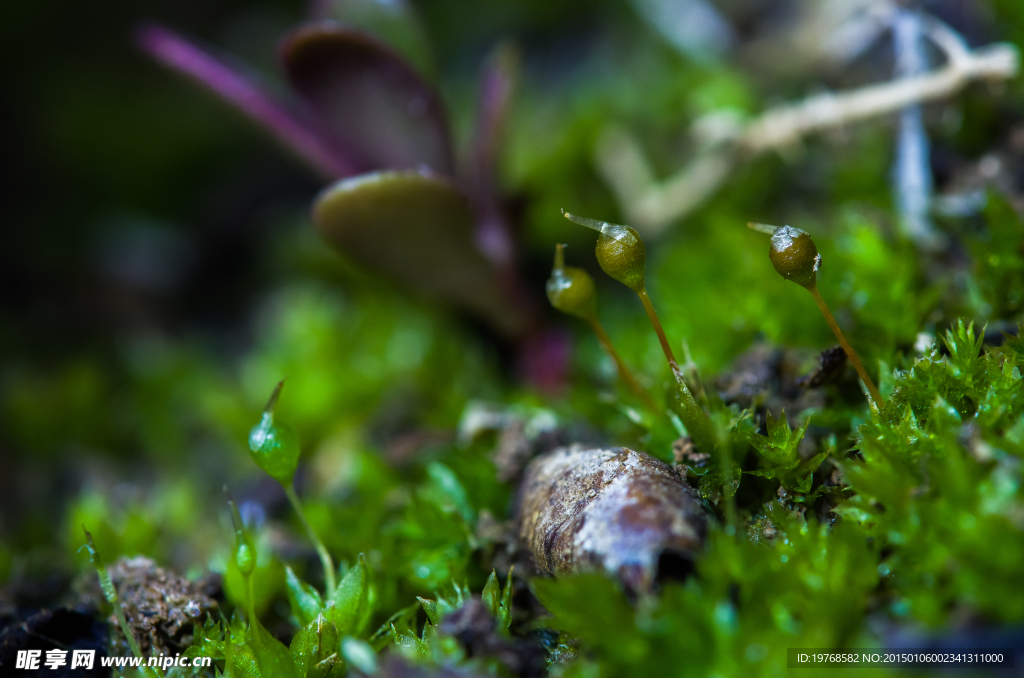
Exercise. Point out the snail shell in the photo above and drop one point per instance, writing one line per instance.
(607, 508)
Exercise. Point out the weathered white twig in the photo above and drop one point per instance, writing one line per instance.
(912, 172)
(650, 205)
(786, 124)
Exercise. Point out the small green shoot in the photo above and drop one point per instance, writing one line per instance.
(780, 450)
(275, 449)
(349, 606)
(304, 600)
(110, 593)
(272, 657)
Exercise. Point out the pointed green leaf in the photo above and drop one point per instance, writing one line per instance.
(803, 484)
(447, 491)
(381, 637)
(505, 617)
(1015, 344)
(325, 667)
(348, 606)
(714, 481)
(491, 595)
(274, 659)
(409, 642)
(430, 607)
(313, 644)
(429, 633)
(780, 445)
(304, 600)
(241, 662)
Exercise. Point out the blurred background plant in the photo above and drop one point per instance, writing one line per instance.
(161, 273)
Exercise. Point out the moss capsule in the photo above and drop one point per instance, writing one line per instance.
(571, 289)
(274, 448)
(620, 251)
(796, 258)
(794, 255)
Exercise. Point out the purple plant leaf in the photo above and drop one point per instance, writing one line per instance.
(369, 97)
(393, 22)
(417, 228)
(249, 96)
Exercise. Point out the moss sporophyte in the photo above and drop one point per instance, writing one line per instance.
(622, 255)
(796, 258)
(571, 291)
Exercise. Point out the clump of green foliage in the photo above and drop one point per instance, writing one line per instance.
(891, 516)
(933, 483)
(898, 522)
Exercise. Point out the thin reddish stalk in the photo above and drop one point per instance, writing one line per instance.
(624, 371)
(850, 353)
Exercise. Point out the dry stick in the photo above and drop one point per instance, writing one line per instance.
(785, 124)
(653, 206)
(624, 371)
(850, 353)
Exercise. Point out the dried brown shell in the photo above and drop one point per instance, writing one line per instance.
(612, 508)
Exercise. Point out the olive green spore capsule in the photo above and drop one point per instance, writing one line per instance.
(571, 289)
(794, 255)
(620, 251)
(796, 258)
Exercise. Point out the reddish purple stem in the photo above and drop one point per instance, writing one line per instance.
(544, 360)
(496, 84)
(247, 95)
